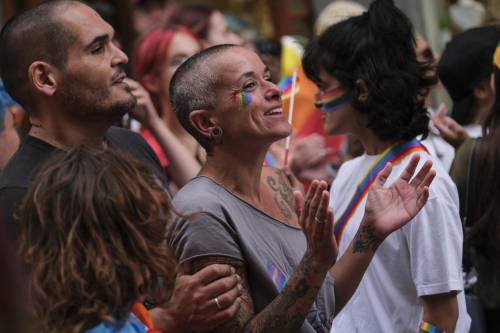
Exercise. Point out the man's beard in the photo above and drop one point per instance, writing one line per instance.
(92, 105)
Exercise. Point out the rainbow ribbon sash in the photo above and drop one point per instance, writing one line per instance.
(331, 100)
(393, 155)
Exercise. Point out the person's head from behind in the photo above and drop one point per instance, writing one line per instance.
(368, 75)
(93, 238)
(224, 97)
(335, 12)
(207, 24)
(465, 69)
(157, 57)
(60, 56)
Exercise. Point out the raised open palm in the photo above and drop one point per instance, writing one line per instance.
(388, 209)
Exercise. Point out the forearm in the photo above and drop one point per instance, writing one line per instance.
(184, 166)
(441, 311)
(287, 312)
(350, 268)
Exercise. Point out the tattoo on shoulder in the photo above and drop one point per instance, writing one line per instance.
(366, 240)
(283, 194)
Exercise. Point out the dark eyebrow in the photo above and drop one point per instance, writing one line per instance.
(100, 39)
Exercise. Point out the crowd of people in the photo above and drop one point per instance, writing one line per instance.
(144, 195)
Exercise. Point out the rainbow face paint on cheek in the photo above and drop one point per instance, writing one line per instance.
(331, 100)
(244, 99)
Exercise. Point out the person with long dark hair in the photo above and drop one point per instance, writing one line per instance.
(372, 86)
(475, 171)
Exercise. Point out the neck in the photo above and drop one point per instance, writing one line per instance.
(239, 171)
(64, 134)
(372, 144)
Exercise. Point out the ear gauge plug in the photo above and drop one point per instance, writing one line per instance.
(216, 134)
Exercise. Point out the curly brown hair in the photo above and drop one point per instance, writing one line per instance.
(93, 237)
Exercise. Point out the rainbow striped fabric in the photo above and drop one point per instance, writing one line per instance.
(429, 328)
(285, 85)
(393, 155)
(279, 278)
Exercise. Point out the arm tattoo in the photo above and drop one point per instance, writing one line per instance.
(285, 314)
(288, 311)
(366, 239)
(283, 194)
(246, 312)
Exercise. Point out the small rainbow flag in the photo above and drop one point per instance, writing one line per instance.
(285, 85)
(279, 279)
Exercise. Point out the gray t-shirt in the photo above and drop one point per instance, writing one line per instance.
(230, 227)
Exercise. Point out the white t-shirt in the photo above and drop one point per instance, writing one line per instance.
(422, 258)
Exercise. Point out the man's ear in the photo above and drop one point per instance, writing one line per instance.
(202, 121)
(43, 78)
(362, 89)
(151, 83)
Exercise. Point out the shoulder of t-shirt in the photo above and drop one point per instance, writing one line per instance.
(347, 169)
(200, 194)
(25, 162)
(134, 144)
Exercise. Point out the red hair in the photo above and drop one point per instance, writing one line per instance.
(151, 50)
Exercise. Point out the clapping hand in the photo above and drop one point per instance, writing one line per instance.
(316, 221)
(389, 208)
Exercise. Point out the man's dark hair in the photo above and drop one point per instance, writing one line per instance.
(35, 34)
(194, 87)
(377, 47)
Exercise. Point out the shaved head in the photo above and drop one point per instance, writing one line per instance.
(194, 87)
(34, 35)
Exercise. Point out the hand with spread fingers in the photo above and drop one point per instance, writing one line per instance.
(389, 208)
(316, 221)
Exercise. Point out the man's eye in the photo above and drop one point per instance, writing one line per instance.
(98, 49)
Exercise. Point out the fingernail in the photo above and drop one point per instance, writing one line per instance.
(233, 270)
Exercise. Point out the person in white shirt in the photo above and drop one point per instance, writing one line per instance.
(371, 86)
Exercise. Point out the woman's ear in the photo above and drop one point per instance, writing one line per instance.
(202, 121)
(362, 89)
(151, 83)
(43, 78)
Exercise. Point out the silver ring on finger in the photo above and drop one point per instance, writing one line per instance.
(318, 220)
(216, 300)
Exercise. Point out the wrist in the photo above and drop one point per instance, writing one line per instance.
(317, 268)
(367, 237)
(164, 320)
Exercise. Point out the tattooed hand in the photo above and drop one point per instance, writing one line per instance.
(316, 221)
(388, 209)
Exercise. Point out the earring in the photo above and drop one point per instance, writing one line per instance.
(216, 134)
